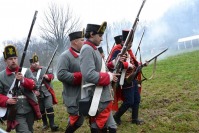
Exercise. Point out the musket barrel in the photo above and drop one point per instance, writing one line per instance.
(139, 68)
(128, 40)
(27, 41)
(139, 43)
(48, 66)
(158, 55)
(12, 108)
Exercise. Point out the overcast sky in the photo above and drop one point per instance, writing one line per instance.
(16, 15)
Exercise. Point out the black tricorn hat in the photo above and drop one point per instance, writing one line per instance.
(118, 39)
(76, 35)
(34, 59)
(10, 51)
(97, 29)
(124, 35)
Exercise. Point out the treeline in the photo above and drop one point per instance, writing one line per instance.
(42, 49)
(179, 21)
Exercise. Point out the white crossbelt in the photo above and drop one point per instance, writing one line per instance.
(21, 97)
(124, 72)
(97, 95)
(88, 85)
(4, 109)
(38, 74)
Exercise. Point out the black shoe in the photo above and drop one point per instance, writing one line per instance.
(54, 128)
(117, 120)
(112, 130)
(138, 122)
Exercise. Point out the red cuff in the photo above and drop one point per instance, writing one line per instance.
(50, 77)
(3, 100)
(125, 64)
(28, 83)
(77, 78)
(104, 79)
(110, 65)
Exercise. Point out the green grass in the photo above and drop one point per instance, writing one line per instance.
(169, 104)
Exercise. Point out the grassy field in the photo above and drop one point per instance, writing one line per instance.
(169, 104)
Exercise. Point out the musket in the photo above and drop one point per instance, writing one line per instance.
(128, 41)
(133, 75)
(48, 66)
(156, 56)
(108, 51)
(55, 101)
(139, 43)
(12, 108)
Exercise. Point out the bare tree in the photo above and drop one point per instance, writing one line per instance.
(37, 46)
(58, 22)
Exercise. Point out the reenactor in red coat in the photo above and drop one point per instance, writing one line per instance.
(126, 91)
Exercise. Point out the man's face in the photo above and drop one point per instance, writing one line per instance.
(97, 38)
(35, 65)
(79, 43)
(12, 62)
(129, 44)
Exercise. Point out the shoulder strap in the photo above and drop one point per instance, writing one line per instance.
(97, 95)
(4, 109)
(23, 71)
(38, 74)
(124, 72)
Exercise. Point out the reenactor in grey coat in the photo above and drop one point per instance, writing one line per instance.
(68, 72)
(27, 108)
(95, 78)
(44, 92)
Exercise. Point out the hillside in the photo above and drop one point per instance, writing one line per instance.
(170, 101)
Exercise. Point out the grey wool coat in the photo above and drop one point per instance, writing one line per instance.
(68, 72)
(90, 65)
(5, 84)
(43, 90)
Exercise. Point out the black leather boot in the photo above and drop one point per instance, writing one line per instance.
(71, 129)
(135, 119)
(119, 113)
(95, 130)
(44, 120)
(112, 130)
(50, 114)
(104, 130)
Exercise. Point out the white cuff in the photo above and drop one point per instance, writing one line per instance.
(111, 76)
(130, 65)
